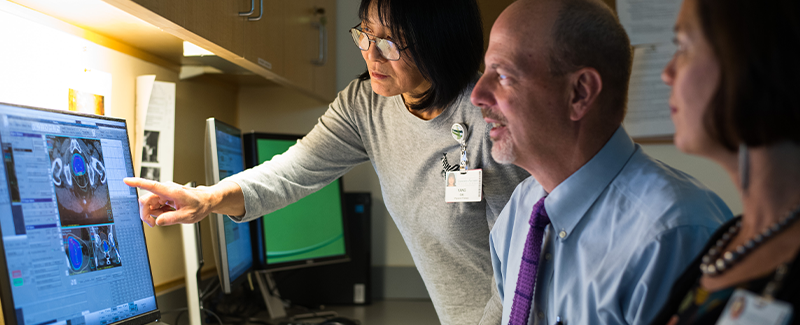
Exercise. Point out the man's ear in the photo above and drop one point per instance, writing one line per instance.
(585, 87)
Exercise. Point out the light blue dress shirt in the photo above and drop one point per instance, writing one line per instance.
(623, 228)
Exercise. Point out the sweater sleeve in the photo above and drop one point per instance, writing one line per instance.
(493, 312)
(326, 153)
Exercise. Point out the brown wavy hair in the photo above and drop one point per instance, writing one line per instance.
(754, 41)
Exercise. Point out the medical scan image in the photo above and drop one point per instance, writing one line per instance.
(90, 249)
(80, 181)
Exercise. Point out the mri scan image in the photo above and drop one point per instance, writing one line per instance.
(90, 249)
(80, 181)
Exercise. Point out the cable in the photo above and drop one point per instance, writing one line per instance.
(206, 294)
(212, 314)
(214, 282)
(178, 318)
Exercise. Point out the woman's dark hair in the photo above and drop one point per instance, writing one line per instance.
(444, 39)
(756, 103)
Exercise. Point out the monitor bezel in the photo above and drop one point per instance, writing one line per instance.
(256, 230)
(217, 221)
(9, 312)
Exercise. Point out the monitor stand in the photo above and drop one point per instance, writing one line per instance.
(193, 262)
(269, 291)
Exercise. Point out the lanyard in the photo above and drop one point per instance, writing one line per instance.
(776, 283)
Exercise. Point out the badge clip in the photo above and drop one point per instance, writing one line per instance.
(459, 132)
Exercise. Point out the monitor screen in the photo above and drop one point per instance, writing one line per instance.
(233, 249)
(73, 245)
(308, 232)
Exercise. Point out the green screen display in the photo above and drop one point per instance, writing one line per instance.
(307, 229)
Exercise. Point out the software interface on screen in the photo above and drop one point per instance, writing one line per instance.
(237, 235)
(73, 241)
(307, 229)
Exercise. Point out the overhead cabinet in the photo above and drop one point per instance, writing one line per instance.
(311, 64)
(289, 42)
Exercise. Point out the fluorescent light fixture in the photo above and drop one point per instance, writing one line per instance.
(190, 49)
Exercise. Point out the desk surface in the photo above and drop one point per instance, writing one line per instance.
(391, 312)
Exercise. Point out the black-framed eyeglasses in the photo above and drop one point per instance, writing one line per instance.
(388, 49)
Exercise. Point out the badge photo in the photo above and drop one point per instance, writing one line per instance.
(463, 187)
(745, 307)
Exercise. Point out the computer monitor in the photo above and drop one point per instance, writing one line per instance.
(233, 251)
(306, 233)
(73, 248)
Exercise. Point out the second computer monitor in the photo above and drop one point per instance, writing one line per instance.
(306, 233)
(232, 246)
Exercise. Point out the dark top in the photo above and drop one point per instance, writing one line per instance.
(693, 305)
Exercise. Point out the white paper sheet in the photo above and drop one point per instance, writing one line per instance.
(155, 128)
(648, 21)
(648, 97)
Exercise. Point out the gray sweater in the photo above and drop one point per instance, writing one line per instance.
(448, 241)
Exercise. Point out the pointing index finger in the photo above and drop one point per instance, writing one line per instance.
(146, 184)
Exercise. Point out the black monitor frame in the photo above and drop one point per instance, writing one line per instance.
(257, 228)
(9, 313)
(217, 221)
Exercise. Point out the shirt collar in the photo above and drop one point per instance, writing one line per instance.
(568, 202)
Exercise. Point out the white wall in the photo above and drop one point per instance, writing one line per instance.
(706, 171)
(349, 62)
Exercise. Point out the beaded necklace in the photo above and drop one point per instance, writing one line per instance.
(715, 262)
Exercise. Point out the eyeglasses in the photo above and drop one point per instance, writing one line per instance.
(388, 49)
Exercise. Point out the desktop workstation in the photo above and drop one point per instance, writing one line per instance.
(286, 111)
(71, 230)
(73, 248)
(309, 233)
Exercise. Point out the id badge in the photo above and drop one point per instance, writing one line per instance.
(745, 307)
(467, 187)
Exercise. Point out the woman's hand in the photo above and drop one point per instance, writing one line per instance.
(170, 203)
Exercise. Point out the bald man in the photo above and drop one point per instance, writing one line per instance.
(600, 231)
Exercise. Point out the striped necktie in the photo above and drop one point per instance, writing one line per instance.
(523, 295)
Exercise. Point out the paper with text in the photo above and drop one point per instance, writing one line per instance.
(155, 129)
(648, 97)
(648, 21)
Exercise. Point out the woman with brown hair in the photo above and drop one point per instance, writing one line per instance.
(734, 78)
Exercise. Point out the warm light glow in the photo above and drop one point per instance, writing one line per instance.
(40, 65)
(190, 49)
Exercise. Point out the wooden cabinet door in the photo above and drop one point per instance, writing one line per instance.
(264, 38)
(218, 21)
(325, 72)
(299, 43)
(171, 10)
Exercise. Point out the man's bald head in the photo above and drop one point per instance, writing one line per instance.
(577, 34)
(526, 22)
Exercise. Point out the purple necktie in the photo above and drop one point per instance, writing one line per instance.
(523, 296)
